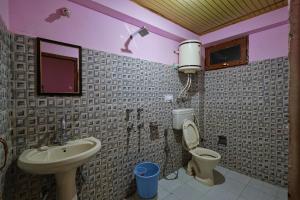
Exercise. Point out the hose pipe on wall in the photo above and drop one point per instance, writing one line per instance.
(186, 87)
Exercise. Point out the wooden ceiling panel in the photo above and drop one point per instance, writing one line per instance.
(203, 16)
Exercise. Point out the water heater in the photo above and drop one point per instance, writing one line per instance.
(189, 56)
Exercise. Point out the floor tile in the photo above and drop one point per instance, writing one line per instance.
(183, 176)
(234, 186)
(220, 195)
(162, 193)
(282, 194)
(137, 197)
(169, 185)
(172, 197)
(230, 185)
(196, 185)
(251, 193)
(267, 188)
(241, 198)
(187, 193)
(238, 177)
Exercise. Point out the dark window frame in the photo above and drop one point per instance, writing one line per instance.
(243, 42)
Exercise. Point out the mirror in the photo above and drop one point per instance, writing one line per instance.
(59, 68)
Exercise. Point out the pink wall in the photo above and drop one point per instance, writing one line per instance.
(4, 11)
(88, 28)
(270, 43)
(268, 35)
(132, 9)
(59, 49)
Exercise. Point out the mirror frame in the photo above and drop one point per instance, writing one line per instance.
(39, 66)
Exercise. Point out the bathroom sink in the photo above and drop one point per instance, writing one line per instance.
(61, 161)
(56, 159)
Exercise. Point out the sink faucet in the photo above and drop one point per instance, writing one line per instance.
(60, 138)
(63, 137)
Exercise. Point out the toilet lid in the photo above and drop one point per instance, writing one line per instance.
(190, 134)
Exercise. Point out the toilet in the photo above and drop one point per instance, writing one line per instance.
(203, 160)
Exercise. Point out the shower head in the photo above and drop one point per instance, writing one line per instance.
(142, 31)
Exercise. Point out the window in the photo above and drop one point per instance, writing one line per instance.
(227, 54)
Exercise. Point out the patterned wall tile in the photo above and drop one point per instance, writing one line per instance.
(5, 97)
(249, 105)
(111, 84)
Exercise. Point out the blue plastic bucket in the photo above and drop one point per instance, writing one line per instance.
(146, 176)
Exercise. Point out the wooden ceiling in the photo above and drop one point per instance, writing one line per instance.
(203, 16)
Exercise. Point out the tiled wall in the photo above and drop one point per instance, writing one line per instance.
(249, 105)
(5, 96)
(111, 84)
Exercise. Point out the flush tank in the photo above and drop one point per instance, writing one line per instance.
(179, 115)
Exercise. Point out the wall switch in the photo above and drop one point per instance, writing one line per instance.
(169, 98)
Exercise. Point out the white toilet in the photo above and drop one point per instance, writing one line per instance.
(203, 160)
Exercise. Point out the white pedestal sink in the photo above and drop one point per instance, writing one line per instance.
(61, 161)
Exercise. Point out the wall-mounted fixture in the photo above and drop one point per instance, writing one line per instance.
(59, 68)
(65, 12)
(189, 61)
(139, 111)
(142, 32)
(128, 111)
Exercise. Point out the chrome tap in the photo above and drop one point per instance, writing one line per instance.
(63, 136)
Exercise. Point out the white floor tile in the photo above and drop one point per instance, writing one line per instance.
(220, 195)
(235, 186)
(187, 193)
(282, 194)
(230, 185)
(162, 193)
(251, 193)
(183, 176)
(137, 197)
(172, 197)
(241, 198)
(243, 179)
(169, 185)
(267, 188)
(196, 185)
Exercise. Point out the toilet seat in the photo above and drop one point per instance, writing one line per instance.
(190, 135)
(203, 160)
(204, 153)
(191, 142)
